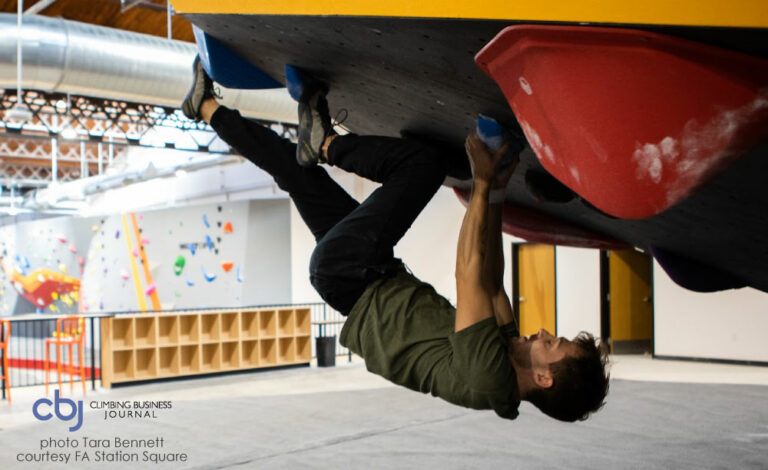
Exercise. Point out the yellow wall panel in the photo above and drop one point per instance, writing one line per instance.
(536, 278)
(736, 13)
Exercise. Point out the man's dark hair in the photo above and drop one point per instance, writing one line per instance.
(579, 385)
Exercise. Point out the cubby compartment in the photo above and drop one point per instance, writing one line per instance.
(189, 329)
(122, 333)
(268, 356)
(229, 326)
(145, 331)
(303, 349)
(250, 353)
(211, 358)
(249, 325)
(285, 323)
(190, 359)
(146, 363)
(303, 325)
(267, 324)
(169, 361)
(123, 366)
(285, 350)
(174, 344)
(168, 330)
(209, 327)
(230, 355)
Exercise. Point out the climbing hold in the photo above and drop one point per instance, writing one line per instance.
(227, 227)
(62, 238)
(209, 242)
(41, 302)
(144, 241)
(80, 260)
(95, 228)
(72, 248)
(178, 265)
(208, 277)
(218, 224)
(239, 276)
(177, 293)
(151, 289)
(124, 274)
(26, 263)
(41, 278)
(227, 266)
(189, 283)
(135, 252)
(205, 221)
(192, 248)
(54, 295)
(63, 268)
(53, 308)
(117, 233)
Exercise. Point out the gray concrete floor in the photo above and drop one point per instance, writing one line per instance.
(660, 414)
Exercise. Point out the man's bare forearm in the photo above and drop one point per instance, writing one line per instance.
(473, 302)
(493, 271)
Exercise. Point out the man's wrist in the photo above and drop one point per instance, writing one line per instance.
(479, 184)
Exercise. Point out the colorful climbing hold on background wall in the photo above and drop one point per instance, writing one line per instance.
(227, 266)
(124, 274)
(209, 242)
(239, 276)
(205, 221)
(192, 248)
(227, 227)
(189, 283)
(151, 288)
(178, 265)
(72, 248)
(208, 277)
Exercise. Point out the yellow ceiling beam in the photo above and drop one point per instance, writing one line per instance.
(733, 13)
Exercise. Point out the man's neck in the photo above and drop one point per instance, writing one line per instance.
(524, 380)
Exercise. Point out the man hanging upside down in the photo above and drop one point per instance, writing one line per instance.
(470, 355)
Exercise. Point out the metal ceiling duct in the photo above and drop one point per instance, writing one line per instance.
(82, 59)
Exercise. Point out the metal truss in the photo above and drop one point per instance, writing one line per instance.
(86, 134)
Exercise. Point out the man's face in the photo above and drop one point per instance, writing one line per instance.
(537, 352)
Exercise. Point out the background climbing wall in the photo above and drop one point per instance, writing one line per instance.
(42, 262)
(213, 255)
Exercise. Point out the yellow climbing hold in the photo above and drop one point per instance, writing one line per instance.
(54, 295)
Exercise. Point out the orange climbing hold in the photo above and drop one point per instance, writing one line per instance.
(227, 266)
(227, 227)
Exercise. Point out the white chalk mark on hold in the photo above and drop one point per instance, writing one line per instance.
(525, 85)
(548, 152)
(700, 151)
(575, 174)
(595, 146)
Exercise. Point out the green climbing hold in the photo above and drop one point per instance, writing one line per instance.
(178, 266)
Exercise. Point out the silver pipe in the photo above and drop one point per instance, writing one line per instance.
(18, 52)
(70, 57)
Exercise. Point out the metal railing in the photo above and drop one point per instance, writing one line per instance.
(26, 348)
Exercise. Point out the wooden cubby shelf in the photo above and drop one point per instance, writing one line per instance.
(147, 346)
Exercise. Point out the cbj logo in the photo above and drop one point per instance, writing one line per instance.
(76, 410)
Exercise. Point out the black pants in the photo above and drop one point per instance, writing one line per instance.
(354, 241)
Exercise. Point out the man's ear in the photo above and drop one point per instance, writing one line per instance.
(542, 378)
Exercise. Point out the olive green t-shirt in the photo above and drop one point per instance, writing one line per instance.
(405, 332)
